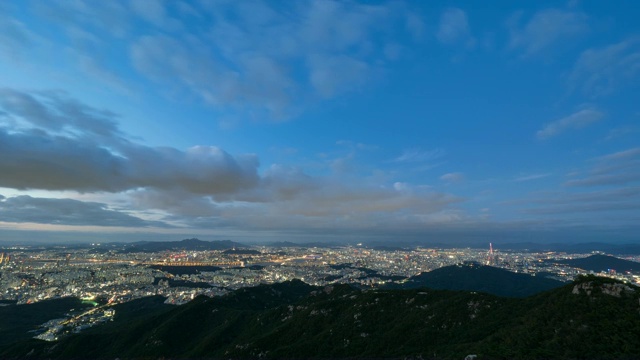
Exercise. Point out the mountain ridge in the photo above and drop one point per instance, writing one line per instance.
(591, 317)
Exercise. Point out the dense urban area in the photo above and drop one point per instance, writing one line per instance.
(105, 275)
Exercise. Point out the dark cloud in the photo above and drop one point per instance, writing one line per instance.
(35, 160)
(27, 209)
(55, 111)
(62, 144)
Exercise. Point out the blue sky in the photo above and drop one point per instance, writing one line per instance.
(320, 120)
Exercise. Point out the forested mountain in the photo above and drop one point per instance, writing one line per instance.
(592, 318)
(600, 263)
(476, 277)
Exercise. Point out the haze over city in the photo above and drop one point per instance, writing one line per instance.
(320, 120)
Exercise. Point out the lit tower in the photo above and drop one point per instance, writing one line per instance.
(490, 255)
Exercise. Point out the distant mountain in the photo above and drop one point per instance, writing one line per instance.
(476, 277)
(592, 318)
(574, 248)
(391, 248)
(284, 244)
(187, 244)
(598, 263)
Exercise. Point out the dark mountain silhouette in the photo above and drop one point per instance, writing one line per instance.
(17, 320)
(476, 277)
(600, 263)
(591, 318)
(574, 248)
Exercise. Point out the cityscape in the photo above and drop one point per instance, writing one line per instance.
(109, 274)
(319, 179)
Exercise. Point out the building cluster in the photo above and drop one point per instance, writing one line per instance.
(111, 276)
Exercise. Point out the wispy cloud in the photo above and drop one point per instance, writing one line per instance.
(419, 156)
(454, 27)
(620, 132)
(616, 169)
(618, 200)
(600, 71)
(574, 121)
(545, 29)
(452, 177)
(262, 58)
(531, 177)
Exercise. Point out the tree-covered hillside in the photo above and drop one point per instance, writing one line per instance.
(592, 318)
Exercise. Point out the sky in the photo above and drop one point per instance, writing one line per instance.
(257, 121)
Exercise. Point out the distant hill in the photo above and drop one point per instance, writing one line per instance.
(574, 248)
(285, 244)
(475, 277)
(592, 318)
(187, 244)
(598, 263)
(391, 248)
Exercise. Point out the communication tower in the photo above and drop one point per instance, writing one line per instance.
(490, 258)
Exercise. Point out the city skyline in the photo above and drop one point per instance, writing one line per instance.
(319, 120)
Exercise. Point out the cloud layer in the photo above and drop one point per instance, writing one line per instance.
(50, 141)
(56, 143)
(264, 58)
(27, 209)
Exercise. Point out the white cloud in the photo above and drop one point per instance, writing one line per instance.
(259, 59)
(576, 120)
(545, 29)
(263, 61)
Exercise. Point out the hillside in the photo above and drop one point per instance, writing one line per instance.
(591, 318)
(598, 263)
(475, 277)
(17, 320)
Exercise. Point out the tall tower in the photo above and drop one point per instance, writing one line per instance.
(490, 259)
